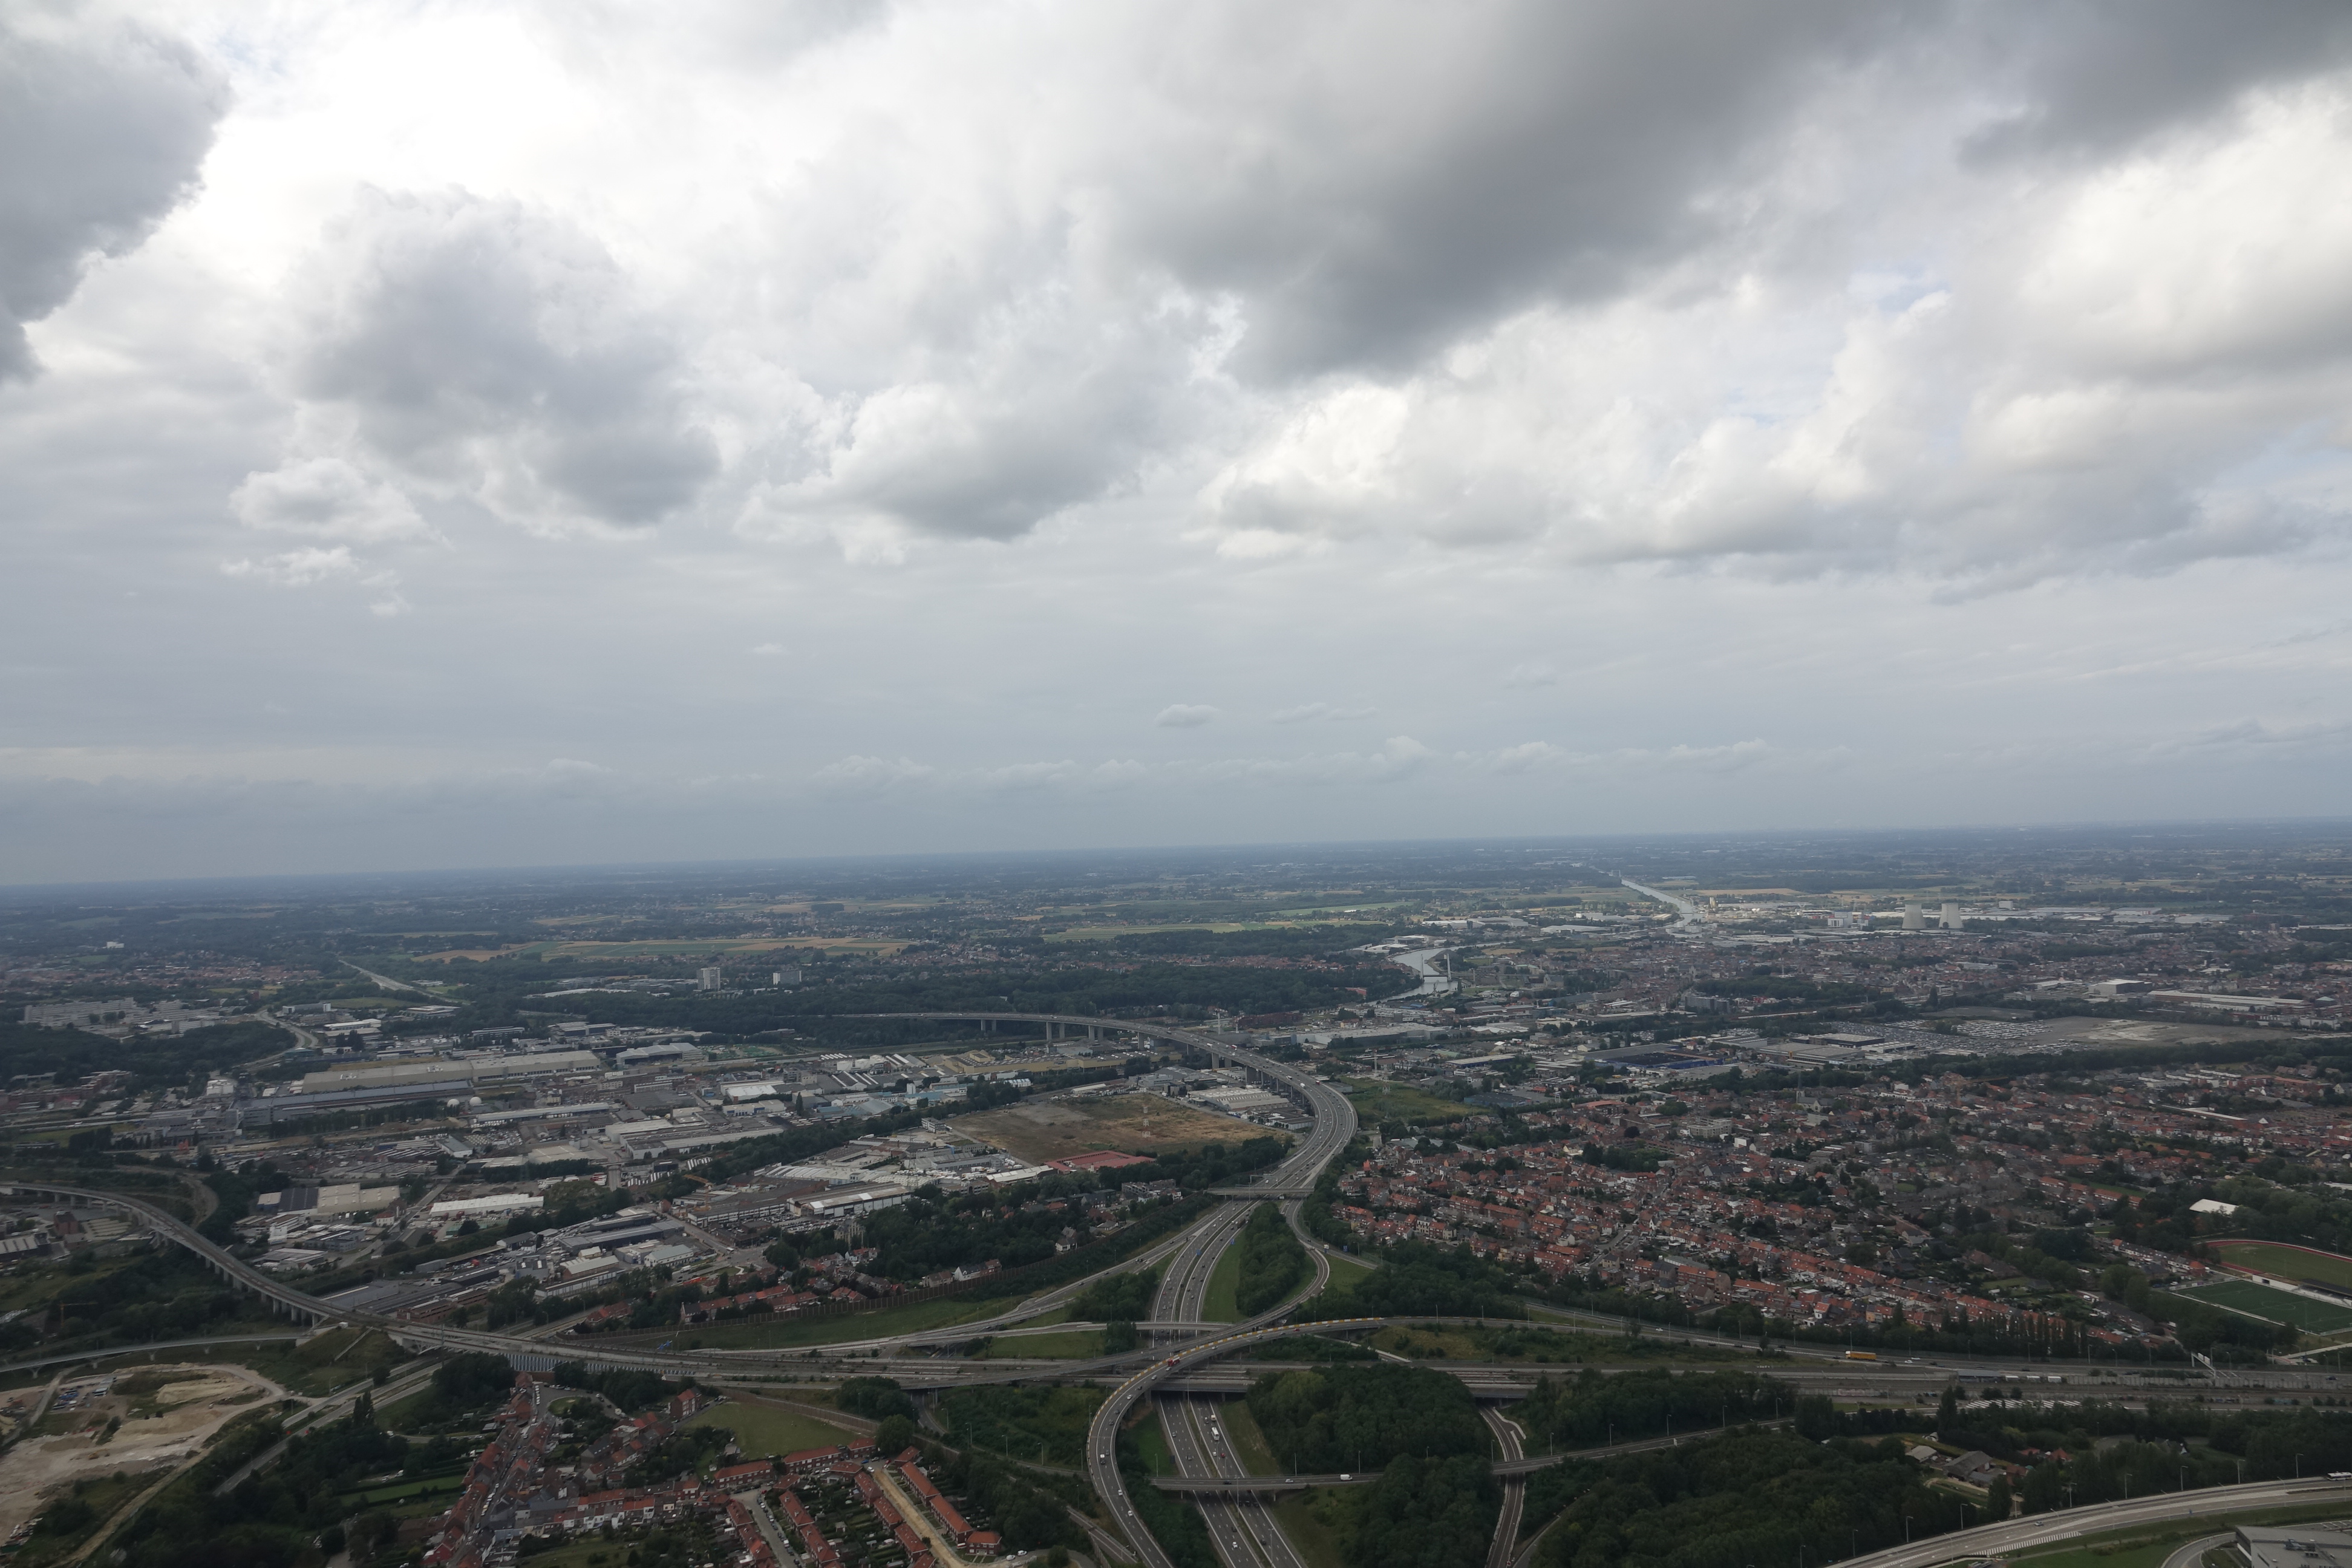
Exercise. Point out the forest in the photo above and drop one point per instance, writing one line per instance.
(271, 1519)
(161, 1294)
(1753, 1494)
(1435, 1502)
(1121, 1299)
(1591, 1409)
(1421, 1513)
(1273, 1263)
(1417, 1280)
(1350, 1417)
(154, 1061)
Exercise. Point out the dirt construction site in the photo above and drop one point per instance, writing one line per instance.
(144, 1420)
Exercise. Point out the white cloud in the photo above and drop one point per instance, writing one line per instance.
(871, 776)
(491, 349)
(1311, 713)
(1399, 758)
(1518, 759)
(299, 568)
(1184, 716)
(328, 498)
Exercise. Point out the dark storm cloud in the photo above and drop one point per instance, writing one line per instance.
(2097, 75)
(103, 126)
(1376, 182)
(488, 347)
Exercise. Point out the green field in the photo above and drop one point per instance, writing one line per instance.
(1345, 1273)
(1152, 1441)
(1307, 1532)
(1321, 1517)
(336, 1358)
(762, 1430)
(1076, 1345)
(1046, 1424)
(2287, 1263)
(1376, 1102)
(2249, 1299)
(1219, 1305)
(407, 1492)
(1250, 1445)
(593, 1551)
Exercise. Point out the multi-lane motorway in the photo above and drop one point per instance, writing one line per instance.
(2046, 1528)
(1242, 1528)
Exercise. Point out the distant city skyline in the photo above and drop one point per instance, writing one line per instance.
(525, 435)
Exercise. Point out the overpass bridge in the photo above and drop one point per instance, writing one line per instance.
(1274, 1486)
(283, 1298)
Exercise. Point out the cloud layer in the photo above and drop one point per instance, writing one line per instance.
(936, 409)
(105, 123)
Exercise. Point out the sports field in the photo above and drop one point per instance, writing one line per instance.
(2245, 1296)
(2298, 1264)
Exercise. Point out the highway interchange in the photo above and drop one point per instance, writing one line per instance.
(1177, 1369)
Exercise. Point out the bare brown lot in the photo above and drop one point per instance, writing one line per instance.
(1038, 1131)
(166, 1413)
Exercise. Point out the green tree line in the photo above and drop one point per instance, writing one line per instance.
(1273, 1263)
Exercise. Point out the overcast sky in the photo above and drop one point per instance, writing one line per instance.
(560, 430)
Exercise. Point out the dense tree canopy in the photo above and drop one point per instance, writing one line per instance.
(1416, 1280)
(1273, 1263)
(1346, 1417)
(1753, 1496)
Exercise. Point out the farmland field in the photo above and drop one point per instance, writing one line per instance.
(2295, 1263)
(2245, 1296)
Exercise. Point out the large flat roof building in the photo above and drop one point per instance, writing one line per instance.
(2294, 1546)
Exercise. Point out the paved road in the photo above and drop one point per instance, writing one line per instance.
(2065, 1524)
(118, 1351)
(1102, 1464)
(1515, 1489)
(2188, 1556)
(755, 1503)
(1241, 1530)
